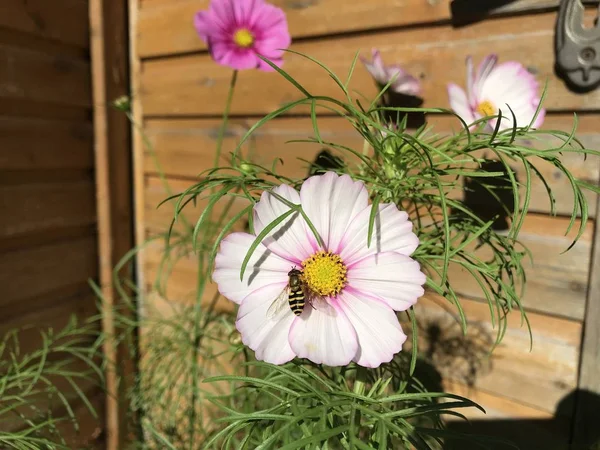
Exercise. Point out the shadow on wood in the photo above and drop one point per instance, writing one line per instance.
(448, 356)
(324, 162)
(490, 198)
(531, 434)
(465, 12)
(396, 100)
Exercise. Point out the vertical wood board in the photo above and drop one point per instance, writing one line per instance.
(110, 78)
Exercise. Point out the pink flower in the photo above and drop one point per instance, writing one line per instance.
(352, 290)
(238, 31)
(493, 87)
(403, 83)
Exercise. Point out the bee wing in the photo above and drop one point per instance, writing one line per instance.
(322, 305)
(279, 303)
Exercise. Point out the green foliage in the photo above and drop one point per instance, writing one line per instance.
(302, 405)
(182, 396)
(39, 387)
(422, 172)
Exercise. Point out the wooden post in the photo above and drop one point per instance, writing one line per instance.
(586, 421)
(139, 184)
(112, 139)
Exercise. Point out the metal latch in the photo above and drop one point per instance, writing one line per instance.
(577, 48)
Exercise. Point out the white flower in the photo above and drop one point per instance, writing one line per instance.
(403, 83)
(352, 290)
(493, 87)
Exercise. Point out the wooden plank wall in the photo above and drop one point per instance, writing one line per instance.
(180, 94)
(48, 246)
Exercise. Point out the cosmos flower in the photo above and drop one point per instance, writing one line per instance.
(493, 87)
(238, 31)
(403, 83)
(352, 289)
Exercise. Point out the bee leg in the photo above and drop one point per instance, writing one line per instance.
(309, 296)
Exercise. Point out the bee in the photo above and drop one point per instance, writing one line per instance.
(295, 295)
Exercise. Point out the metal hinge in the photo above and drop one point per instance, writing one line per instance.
(577, 48)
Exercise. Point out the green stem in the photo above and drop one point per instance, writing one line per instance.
(225, 118)
(196, 350)
(201, 280)
(355, 415)
(161, 174)
(361, 380)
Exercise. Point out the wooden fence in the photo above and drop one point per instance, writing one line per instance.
(65, 191)
(48, 239)
(179, 95)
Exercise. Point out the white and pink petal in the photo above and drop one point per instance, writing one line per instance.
(290, 239)
(392, 232)
(485, 69)
(324, 336)
(460, 103)
(376, 67)
(267, 336)
(378, 330)
(331, 202)
(404, 83)
(395, 279)
(511, 84)
(264, 267)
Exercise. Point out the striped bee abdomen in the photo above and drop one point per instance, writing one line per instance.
(296, 300)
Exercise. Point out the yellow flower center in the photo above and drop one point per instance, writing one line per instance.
(486, 108)
(243, 38)
(324, 273)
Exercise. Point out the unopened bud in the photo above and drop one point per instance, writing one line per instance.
(247, 168)
(122, 103)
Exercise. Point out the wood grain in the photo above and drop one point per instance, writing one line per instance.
(165, 27)
(496, 407)
(24, 40)
(48, 317)
(29, 273)
(60, 20)
(30, 144)
(195, 85)
(29, 75)
(40, 208)
(556, 280)
(47, 235)
(12, 312)
(585, 429)
(17, 108)
(546, 374)
(185, 148)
